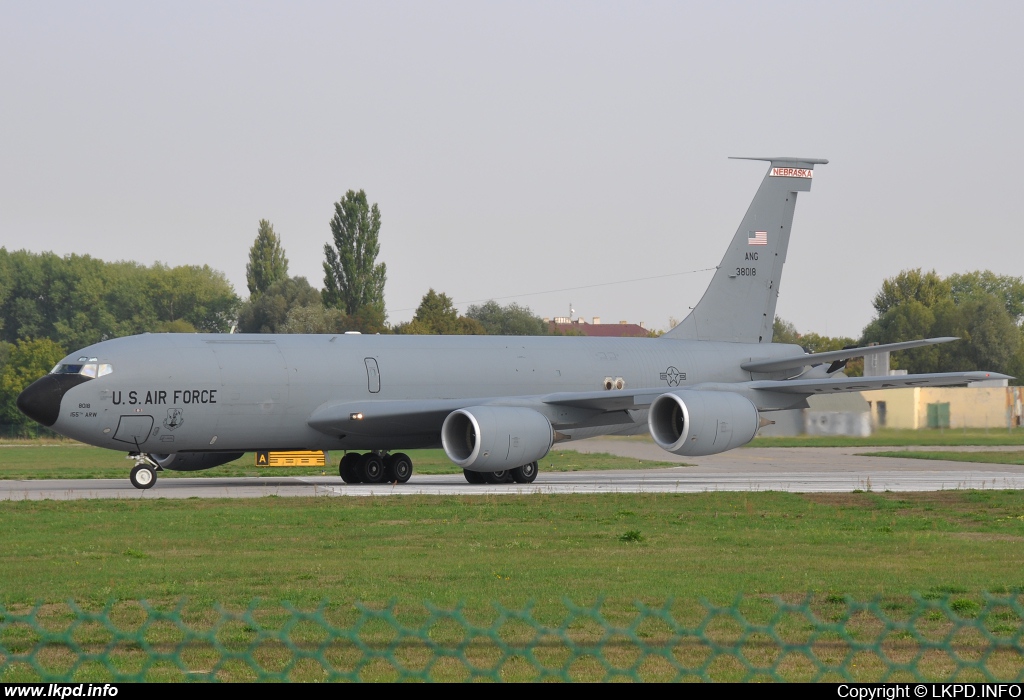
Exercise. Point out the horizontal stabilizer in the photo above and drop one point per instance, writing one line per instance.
(787, 160)
(815, 358)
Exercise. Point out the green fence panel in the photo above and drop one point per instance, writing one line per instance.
(755, 638)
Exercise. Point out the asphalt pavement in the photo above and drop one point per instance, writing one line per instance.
(802, 469)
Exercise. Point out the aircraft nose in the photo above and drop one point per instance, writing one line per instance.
(41, 399)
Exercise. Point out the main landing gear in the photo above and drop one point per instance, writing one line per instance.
(520, 475)
(375, 468)
(143, 474)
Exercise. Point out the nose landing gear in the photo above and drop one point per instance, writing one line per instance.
(143, 474)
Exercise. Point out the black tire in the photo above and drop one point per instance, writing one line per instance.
(525, 474)
(500, 477)
(371, 469)
(143, 477)
(348, 468)
(473, 477)
(400, 468)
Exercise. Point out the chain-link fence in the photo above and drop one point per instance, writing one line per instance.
(824, 638)
(27, 431)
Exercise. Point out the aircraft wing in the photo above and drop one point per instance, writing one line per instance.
(814, 358)
(572, 409)
(383, 417)
(563, 409)
(843, 384)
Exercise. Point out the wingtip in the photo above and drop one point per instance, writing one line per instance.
(986, 376)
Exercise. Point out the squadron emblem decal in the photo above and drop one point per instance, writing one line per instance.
(673, 376)
(174, 418)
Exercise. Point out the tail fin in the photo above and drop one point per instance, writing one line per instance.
(739, 304)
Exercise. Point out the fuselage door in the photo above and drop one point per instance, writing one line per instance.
(372, 375)
(133, 429)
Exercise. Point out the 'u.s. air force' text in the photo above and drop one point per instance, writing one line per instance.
(163, 397)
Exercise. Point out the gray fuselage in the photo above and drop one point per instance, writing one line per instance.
(171, 393)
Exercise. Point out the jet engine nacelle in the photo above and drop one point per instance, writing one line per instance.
(493, 438)
(194, 461)
(702, 422)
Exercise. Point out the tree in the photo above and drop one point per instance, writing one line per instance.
(972, 285)
(200, 295)
(26, 361)
(437, 315)
(315, 318)
(512, 319)
(77, 300)
(784, 332)
(353, 280)
(267, 312)
(267, 263)
(926, 288)
(980, 307)
(990, 337)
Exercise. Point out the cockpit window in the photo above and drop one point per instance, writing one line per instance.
(87, 367)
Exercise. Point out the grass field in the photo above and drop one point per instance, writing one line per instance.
(900, 438)
(70, 460)
(511, 550)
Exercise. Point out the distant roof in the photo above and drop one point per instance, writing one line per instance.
(600, 330)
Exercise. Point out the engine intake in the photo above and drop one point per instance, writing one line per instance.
(698, 423)
(194, 461)
(493, 438)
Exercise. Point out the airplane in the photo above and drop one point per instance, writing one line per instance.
(495, 404)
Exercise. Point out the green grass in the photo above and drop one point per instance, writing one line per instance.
(1014, 457)
(511, 550)
(899, 438)
(70, 460)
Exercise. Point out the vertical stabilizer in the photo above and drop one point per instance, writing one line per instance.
(739, 304)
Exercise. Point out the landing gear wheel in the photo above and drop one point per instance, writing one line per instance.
(473, 477)
(399, 467)
(526, 473)
(371, 469)
(348, 468)
(498, 477)
(143, 477)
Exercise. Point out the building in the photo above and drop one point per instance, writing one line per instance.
(951, 407)
(566, 326)
(826, 414)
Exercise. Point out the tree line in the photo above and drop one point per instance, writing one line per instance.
(51, 304)
(983, 309)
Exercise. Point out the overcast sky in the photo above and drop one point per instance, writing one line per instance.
(518, 148)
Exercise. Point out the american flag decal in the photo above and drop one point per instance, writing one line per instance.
(757, 238)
